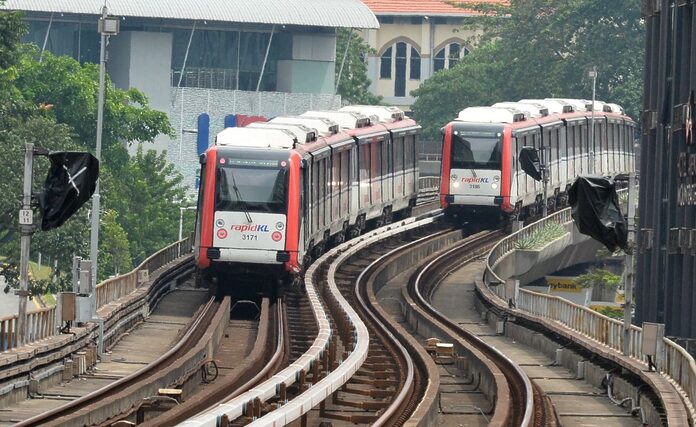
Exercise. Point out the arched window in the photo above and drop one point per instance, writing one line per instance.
(448, 56)
(385, 65)
(405, 60)
(415, 65)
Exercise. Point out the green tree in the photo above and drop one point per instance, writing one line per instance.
(144, 195)
(11, 30)
(114, 248)
(543, 48)
(353, 86)
(71, 89)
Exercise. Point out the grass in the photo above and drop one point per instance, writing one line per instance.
(541, 237)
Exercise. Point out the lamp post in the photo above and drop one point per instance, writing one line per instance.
(593, 75)
(107, 27)
(181, 218)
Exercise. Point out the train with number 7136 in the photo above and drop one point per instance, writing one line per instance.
(276, 194)
(481, 178)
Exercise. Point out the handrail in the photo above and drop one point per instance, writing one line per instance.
(41, 323)
(674, 361)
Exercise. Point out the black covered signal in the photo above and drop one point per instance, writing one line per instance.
(529, 159)
(70, 182)
(596, 211)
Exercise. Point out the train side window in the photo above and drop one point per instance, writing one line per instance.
(345, 181)
(399, 154)
(323, 201)
(335, 181)
(364, 178)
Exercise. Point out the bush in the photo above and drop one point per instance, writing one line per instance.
(541, 237)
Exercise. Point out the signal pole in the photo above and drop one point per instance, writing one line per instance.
(593, 76)
(107, 27)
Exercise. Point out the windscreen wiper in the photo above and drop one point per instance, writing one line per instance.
(245, 208)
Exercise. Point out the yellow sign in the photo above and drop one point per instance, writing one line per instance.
(563, 284)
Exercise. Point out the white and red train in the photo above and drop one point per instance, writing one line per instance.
(274, 195)
(481, 176)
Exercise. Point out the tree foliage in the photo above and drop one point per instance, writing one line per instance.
(144, 197)
(542, 48)
(53, 104)
(354, 85)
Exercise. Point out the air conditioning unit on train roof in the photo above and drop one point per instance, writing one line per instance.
(578, 104)
(345, 119)
(490, 115)
(385, 114)
(616, 108)
(325, 127)
(303, 133)
(600, 106)
(256, 138)
(529, 109)
(555, 106)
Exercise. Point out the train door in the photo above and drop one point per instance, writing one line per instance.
(398, 165)
(387, 180)
(410, 171)
(335, 187)
(365, 195)
(376, 173)
(314, 197)
(563, 162)
(345, 182)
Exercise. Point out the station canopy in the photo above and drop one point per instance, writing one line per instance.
(317, 13)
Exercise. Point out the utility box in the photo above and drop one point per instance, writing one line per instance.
(67, 303)
(85, 277)
(652, 337)
(85, 308)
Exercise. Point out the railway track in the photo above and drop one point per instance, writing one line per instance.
(123, 396)
(524, 405)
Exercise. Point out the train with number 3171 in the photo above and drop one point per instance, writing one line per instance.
(481, 177)
(276, 194)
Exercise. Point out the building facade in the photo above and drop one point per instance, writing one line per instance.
(254, 57)
(415, 40)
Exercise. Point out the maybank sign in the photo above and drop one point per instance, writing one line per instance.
(566, 287)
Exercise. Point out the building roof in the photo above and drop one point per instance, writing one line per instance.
(424, 7)
(320, 13)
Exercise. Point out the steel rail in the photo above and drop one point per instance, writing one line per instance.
(102, 395)
(260, 360)
(510, 369)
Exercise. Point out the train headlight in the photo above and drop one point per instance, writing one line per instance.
(494, 186)
(455, 185)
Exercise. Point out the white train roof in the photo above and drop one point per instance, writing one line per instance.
(616, 108)
(579, 104)
(532, 110)
(345, 119)
(490, 115)
(325, 127)
(555, 106)
(256, 137)
(383, 113)
(301, 132)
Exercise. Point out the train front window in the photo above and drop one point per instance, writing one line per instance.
(252, 186)
(476, 152)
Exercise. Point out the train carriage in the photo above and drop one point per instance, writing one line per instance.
(274, 196)
(481, 179)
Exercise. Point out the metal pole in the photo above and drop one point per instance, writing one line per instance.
(94, 232)
(343, 61)
(265, 59)
(183, 66)
(48, 31)
(593, 74)
(26, 228)
(181, 221)
(628, 263)
(545, 178)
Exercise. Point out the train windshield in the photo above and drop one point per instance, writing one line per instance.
(252, 185)
(471, 151)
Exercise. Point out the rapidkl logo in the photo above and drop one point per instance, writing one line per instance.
(475, 180)
(259, 228)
